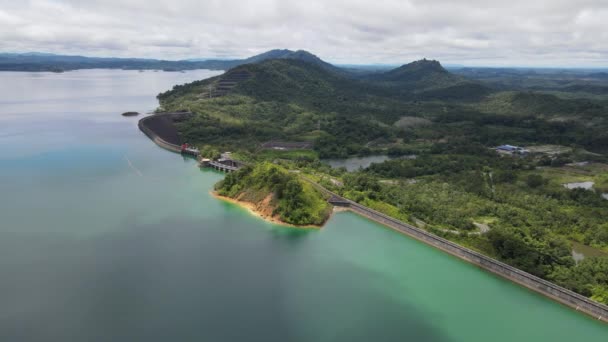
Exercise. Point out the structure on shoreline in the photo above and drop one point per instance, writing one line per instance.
(190, 150)
(225, 163)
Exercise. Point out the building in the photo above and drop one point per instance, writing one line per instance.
(510, 149)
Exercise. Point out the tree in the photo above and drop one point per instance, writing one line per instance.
(505, 176)
(534, 181)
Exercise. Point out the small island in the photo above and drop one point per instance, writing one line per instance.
(275, 194)
(130, 114)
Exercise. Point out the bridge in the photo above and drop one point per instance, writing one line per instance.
(221, 166)
(338, 201)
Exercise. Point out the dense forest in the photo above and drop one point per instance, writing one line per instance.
(346, 114)
(512, 207)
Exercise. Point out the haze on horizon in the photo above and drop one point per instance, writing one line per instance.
(561, 33)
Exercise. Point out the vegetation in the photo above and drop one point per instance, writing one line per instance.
(531, 218)
(293, 200)
(513, 208)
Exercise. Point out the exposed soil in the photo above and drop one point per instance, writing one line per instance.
(263, 209)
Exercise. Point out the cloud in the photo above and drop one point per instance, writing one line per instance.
(474, 32)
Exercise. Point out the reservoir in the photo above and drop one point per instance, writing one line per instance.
(106, 237)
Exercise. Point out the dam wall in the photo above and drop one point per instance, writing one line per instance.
(159, 128)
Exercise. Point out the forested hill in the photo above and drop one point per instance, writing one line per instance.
(284, 99)
(299, 55)
(415, 72)
(293, 99)
(429, 80)
(300, 76)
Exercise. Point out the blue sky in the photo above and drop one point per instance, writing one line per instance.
(473, 32)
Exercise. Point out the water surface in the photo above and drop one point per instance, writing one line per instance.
(106, 237)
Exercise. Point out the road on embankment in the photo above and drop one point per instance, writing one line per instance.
(546, 288)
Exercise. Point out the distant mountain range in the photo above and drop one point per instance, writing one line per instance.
(35, 61)
(59, 63)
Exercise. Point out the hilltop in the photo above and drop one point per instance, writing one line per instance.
(428, 80)
(300, 55)
(417, 71)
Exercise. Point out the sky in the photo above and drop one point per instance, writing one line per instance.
(567, 33)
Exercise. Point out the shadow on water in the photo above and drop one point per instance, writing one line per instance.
(291, 234)
(180, 280)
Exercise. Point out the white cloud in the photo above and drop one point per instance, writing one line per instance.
(476, 32)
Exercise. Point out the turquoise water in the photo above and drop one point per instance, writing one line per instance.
(106, 237)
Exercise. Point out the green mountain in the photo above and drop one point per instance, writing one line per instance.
(429, 71)
(299, 55)
(428, 80)
(291, 99)
(283, 99)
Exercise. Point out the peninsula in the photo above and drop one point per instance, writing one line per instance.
(274, 194)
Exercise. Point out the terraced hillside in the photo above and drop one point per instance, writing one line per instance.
(225, 83)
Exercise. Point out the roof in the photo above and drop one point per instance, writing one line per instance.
(509, 148)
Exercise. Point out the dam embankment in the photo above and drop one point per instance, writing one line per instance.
(160, 128)
(544, 287)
